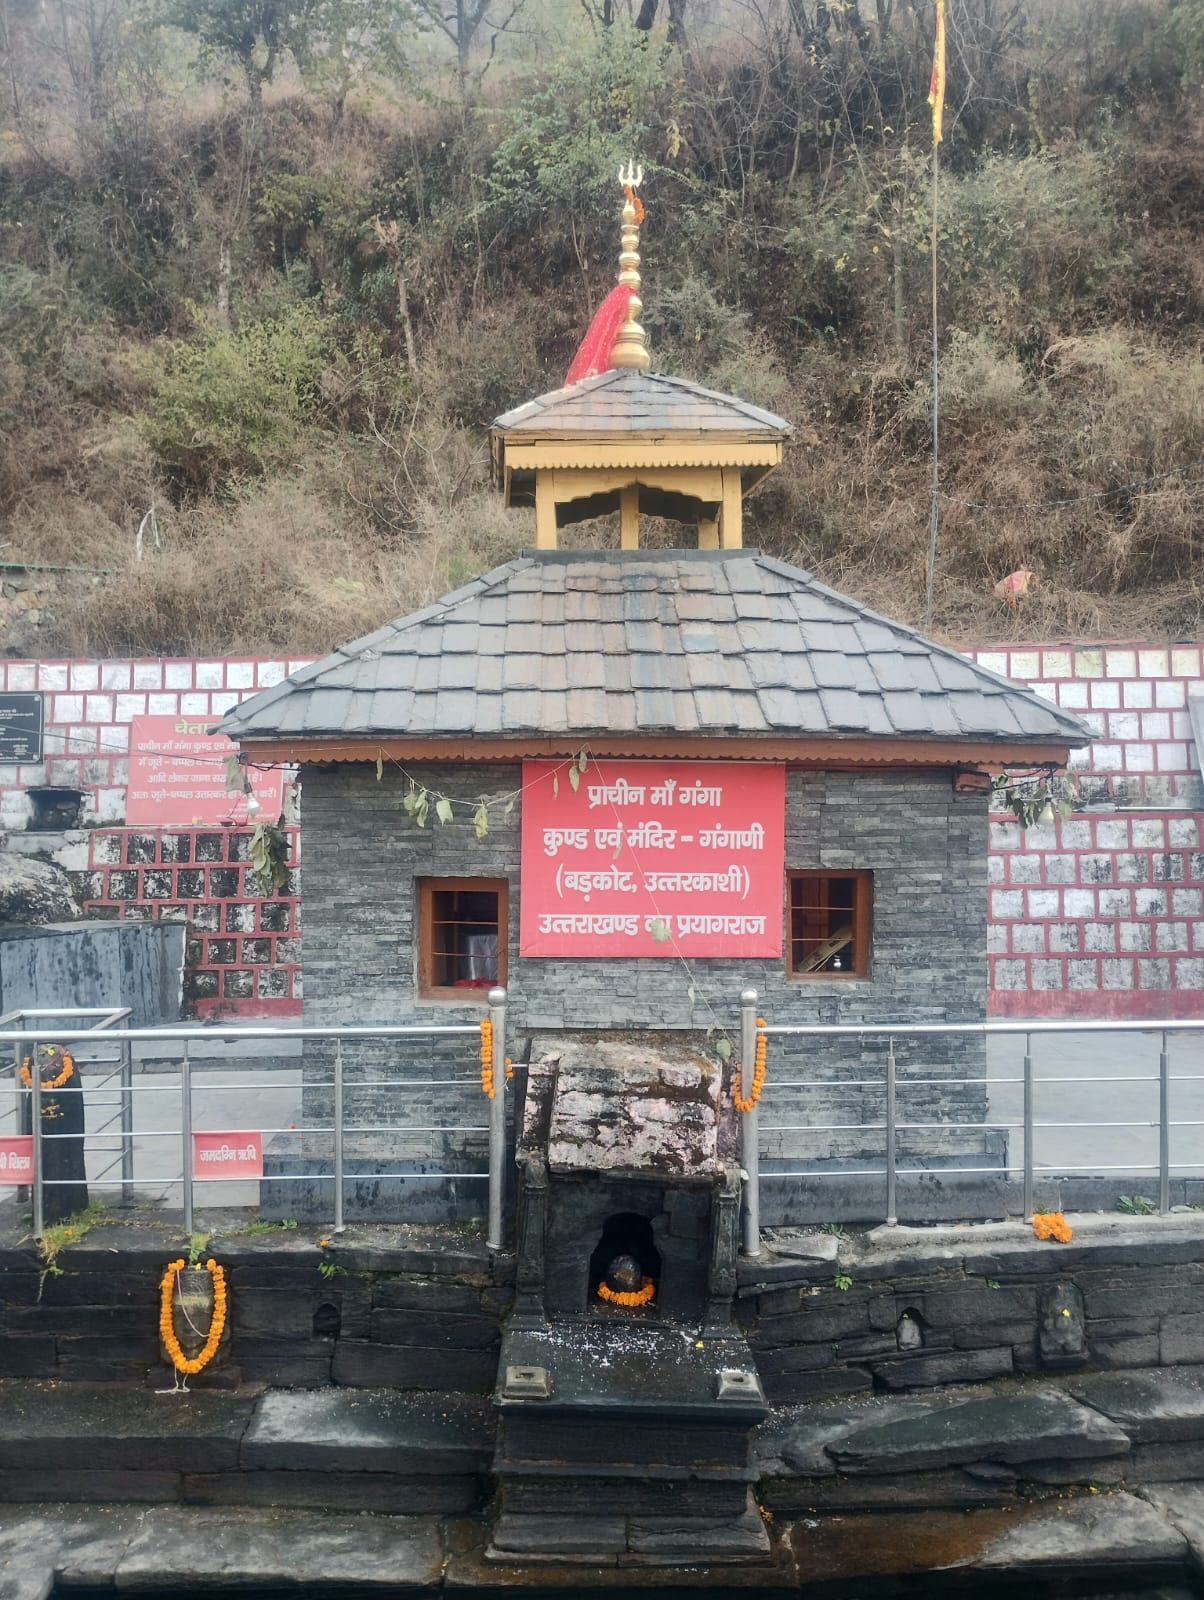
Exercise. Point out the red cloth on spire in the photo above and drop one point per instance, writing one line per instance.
(593, 353)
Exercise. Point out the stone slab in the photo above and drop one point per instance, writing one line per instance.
(954, 1366)
(911, 1491)
(632, 1368)
(361, 1364)
(793, 1443)
(1169, 1463)
(701, 1541)
(1100, 1531)
(629, 1104)
(417, 1496)
(1104, 1533)
(788, 1388)
(571, 1538)
(1156, 1406)
(82, 1547)
(362, 1430)
(1034, 1426)
(86, 1485)
(800, 1245)
(74, 1425)
(230, 1548)
(1184, 1508)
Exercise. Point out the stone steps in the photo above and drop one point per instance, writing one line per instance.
(949, 1448)
(336, 1449)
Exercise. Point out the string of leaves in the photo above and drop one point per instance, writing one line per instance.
(422, 802)
(1037, 796)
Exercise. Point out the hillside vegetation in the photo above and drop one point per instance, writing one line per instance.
(267, 270)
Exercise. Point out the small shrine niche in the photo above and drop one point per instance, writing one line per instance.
(630, 1177)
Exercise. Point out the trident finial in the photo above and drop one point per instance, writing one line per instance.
(631, 342)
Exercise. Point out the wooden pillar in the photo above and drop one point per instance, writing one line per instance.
(730, 518)
(545, 512)
(708, 533)
(629, 517)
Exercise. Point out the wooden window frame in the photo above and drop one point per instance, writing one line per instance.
(427, 888)
(863, 901)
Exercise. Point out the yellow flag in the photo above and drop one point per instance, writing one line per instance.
(936, 89)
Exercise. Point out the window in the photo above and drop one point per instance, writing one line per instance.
(828, 929)
(461, 935)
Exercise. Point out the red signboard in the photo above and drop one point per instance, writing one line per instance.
(227, 1155)
(653, 858)
(16, 1160)
(178, 777)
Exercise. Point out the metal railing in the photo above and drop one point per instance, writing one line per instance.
(16, 1030)
(24, 1030)
(892, 1084)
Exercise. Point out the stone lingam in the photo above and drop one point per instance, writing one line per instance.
(626, 1395)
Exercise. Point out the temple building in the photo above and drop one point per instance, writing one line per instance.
(629, 783)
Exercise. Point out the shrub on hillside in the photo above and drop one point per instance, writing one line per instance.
(231, 403)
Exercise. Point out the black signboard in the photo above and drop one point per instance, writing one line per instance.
(20, 728)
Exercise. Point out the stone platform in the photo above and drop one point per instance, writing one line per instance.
(635, 1444)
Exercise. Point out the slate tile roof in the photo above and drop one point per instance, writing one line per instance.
(718, 643)
(626, 401)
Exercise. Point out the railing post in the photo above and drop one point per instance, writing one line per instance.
(1028, 1127)
(1164, 1129)
(892, 1206)
(750, 1147)
(497, 1117)
(127, 1120)
(339, 1225)
(186, 1134)
(35, 1106)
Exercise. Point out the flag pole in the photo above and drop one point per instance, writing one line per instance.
(936, 99)
(934, 513)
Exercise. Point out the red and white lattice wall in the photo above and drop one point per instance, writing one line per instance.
(244, 955)
(1103, 915)
(1100, 916)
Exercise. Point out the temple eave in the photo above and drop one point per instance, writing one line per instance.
(833, 753)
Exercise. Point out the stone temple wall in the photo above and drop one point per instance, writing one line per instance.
(926, 847)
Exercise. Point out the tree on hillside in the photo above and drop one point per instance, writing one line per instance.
(462, 21)
(253, 34)
(340, 43)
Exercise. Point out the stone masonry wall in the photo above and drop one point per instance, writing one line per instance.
(417, 1317)
(926, 847)
(974, 1310)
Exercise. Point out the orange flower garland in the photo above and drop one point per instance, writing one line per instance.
(628, 1297)
(487, 1056)
(190, 1365)
(1052, 1225)
(56, 1082)
(758, 1080)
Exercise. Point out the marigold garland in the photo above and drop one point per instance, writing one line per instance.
(487, 1056)
(1052, 1225)
(628, 1297)
(190, 1365)
(56, 1082)
(758, 1078)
